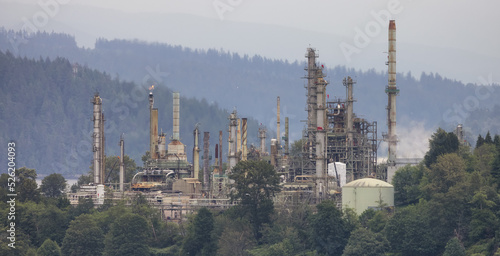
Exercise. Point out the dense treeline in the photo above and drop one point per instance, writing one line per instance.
(447, 205)
(45, 109)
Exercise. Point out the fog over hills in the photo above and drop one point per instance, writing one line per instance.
(88, 23)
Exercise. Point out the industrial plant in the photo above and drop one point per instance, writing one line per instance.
(337, 158)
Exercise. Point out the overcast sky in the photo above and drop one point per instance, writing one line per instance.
(458, 27)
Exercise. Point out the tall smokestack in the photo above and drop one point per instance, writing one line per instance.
(103, 150)
(153, 127)
(392, 91)
(278, 135)
(244, 139)
(232, 150)
(262, 137)
(238, 137)
(122, 163)
(216, 162)
(97, 140)
(175, 135)
(348, 83)
(220, 152)
(287, 152)
(196, 153)
(206, 162)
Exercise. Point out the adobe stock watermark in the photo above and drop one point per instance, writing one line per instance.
(50, 8)
(223, 6)
(119, 106)
(372, 29)
(459, 112)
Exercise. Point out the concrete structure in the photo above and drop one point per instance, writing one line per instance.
(262, 138)
(99, 159)
(232, 150)
(367, 193)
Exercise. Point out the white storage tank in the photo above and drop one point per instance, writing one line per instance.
(367, 193)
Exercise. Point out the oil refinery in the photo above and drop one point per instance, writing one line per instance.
(338, 149)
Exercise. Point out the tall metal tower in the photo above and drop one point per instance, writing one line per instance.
(392, 91)
(98, 140)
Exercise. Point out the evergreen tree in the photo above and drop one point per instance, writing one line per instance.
(83, 237)
(329, 230)
(200, 240)
(364, 242)
(441, 142)
(454, 248)
(479, 141)
(256, 182)
(128, 236)
(53, 185)
(49, 248)
(495, 170)
(496, 141)
(488, 139)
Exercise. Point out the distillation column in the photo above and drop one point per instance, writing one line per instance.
(206, 162)
(220, 152)
(175, 132)
(153, 127)
(392, 91)
(278, 135)
(311, 100)
(122, 163)
(287, 152)
(97, 140)
(348, 83)
(232, 150)
(196, 153)
(262, 137)
(244, 150)
(321, 183)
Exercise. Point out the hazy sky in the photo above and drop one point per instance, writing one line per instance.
(468, 25)
(460, 38)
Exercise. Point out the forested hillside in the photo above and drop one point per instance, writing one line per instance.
(252, 83)
(249, 84)
(45, 107)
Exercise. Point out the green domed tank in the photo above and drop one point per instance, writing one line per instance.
(367, 193)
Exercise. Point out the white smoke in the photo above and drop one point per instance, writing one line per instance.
(413, 140)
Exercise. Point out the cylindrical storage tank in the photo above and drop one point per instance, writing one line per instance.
(367, 193)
